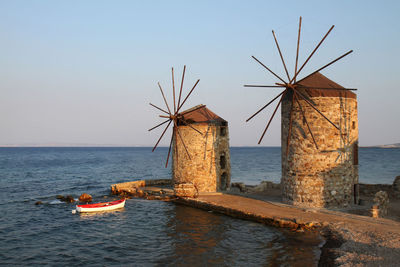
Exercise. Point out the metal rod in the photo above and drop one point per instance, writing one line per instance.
(165, 100)
(268, 69)
(297, 53)
(183, 142)
(273, 114)
(159, 139)
(280, 53)
(188, 124)
(290, 126)
(297, 73)
(304, 117)
(169, 150)
(180, 91)
(330, 63)
(268, 86)
(183, 102)
(265, 106)
(173, 88)
(176, 147)
(311, 105)
(158, 108)
(158, 125)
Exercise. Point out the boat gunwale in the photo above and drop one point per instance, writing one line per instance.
(101, 205)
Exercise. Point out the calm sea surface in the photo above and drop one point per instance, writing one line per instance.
(145, 233)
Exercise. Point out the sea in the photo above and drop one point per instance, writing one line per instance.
(145, 232)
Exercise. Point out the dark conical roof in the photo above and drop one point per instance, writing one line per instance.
(201, 114)
(311, 84)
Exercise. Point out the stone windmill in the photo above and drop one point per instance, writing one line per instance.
(199, 144)
(319, 135)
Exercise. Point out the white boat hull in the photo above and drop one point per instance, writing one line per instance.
(101, 208)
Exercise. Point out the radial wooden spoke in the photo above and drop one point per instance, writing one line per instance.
(297, 73)
(205, 146)
(159, 139)
(188, 124)
(327, 65)
(268, 69)
(304, 117)
(261, 109)
(297, 52)
(267, 86)
(312, 105)
(159, 108)
(280, 53)
(158, 125)
(173, 89)
(273, 114)
(180, 91)
(290, 125)
(176, 147)
(327, 88)
(165, 100)
(169, 149)
(183, 142)
(183, 102)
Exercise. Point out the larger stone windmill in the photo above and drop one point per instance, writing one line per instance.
(199, 143)
(319, 135)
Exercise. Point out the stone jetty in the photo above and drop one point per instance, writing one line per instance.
(351, 238)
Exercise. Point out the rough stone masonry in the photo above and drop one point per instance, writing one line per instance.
(208, 166)
(326, 176)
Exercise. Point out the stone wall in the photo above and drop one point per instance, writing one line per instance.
(326, 176)
(208, 167)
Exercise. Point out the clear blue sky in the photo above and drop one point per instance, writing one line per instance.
(85, 71)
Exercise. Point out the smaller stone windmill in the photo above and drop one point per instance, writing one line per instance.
(199, 143)
(312, 143)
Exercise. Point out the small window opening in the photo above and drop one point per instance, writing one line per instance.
(355, 153)
(222, 161)
(223, 131)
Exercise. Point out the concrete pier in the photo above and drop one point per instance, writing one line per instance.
(282, 215)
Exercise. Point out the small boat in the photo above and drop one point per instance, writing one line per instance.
(104, 206)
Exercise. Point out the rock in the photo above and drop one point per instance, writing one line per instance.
(381, 204)
(185, 190)
(150, 197)
(241, 186)
(234, 190)
(140, 193)
(69, 199)
(38, 203)
(263, 186)
(85, 198)
(396, 184)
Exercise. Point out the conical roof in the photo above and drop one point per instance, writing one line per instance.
(201, 114)
(311, 86)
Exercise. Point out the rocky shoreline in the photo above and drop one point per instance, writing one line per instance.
(352, 236)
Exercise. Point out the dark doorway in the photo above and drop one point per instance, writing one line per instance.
(224, 181)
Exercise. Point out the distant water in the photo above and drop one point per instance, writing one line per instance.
(145, 233)
(255, 164)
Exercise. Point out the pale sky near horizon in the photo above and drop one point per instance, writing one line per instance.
(83, 72)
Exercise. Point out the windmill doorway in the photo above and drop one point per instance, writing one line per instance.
(223, 182)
